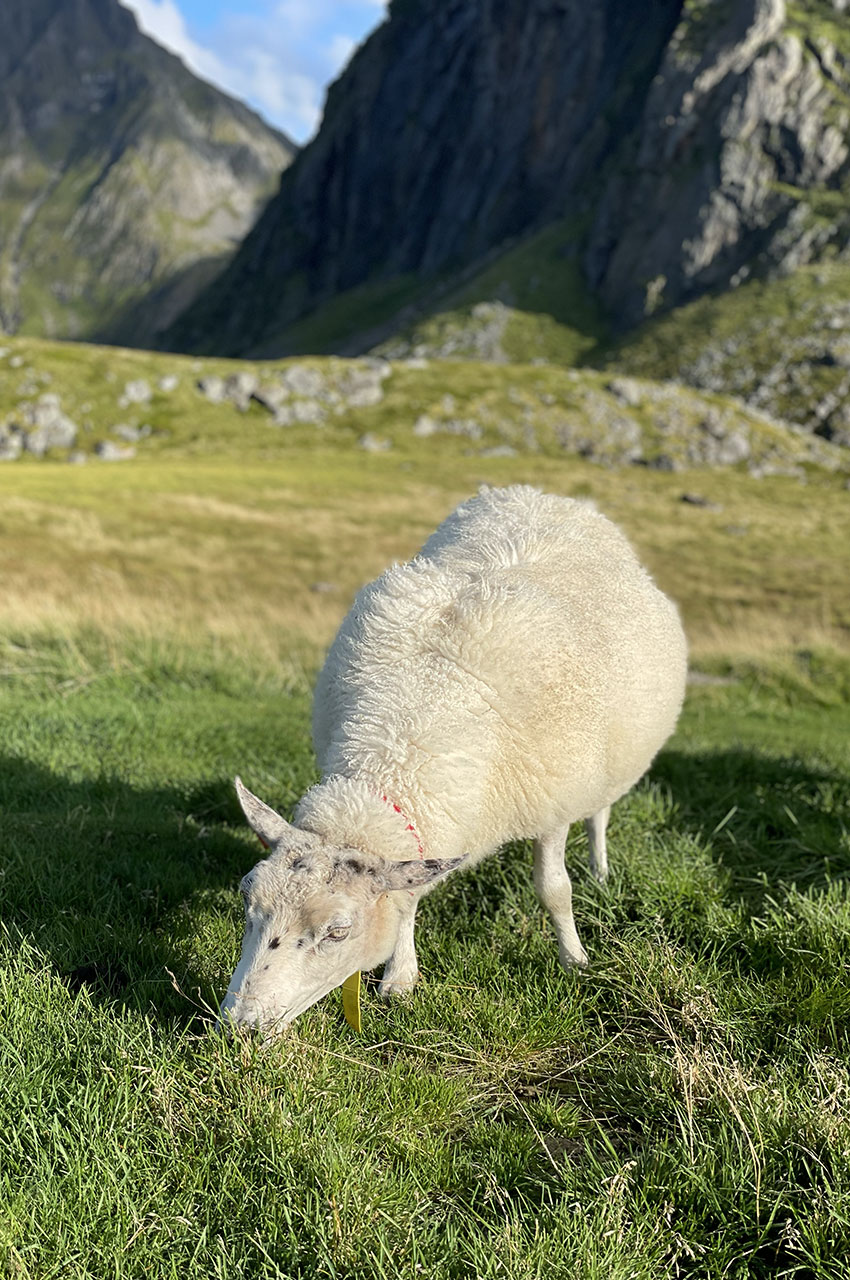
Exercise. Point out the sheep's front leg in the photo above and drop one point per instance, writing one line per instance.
(556, 893)
(401, 972)
(595, 828)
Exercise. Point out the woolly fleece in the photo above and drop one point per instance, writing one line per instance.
(519, 674)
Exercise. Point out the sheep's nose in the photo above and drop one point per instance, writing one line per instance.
(233, 1020)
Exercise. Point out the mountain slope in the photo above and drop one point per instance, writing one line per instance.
(586, 167)
(124, 179)
(458, 124)
(741, 148)
(781, 345)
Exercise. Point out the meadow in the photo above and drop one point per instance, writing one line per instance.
(679, 1109)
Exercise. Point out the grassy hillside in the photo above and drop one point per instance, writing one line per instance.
(680, 1109)
(173, 404)
(781, 344)
(530, 303)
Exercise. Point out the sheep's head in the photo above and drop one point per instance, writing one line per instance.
(314, 914)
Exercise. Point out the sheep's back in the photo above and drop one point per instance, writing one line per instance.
(523, 664)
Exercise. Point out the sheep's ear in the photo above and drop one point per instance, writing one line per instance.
(264, 822)
(410, 875)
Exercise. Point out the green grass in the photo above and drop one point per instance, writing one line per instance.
(679, 1109)
(551, 315)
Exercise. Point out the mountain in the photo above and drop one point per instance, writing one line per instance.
(124, 180)
(547, 173)
(458, 124)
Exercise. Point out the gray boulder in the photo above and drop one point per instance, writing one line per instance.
(130, 434)
(374, 444)
(626, 390)
(136, 392)
(109, 451)
(271, 395)
(213, 388)
(240, 387)
(307, 411)
(46, 426)
(499, 451)
(361, 384)
(366, 396)
(303, 381)
(11, 444)
(425, 425)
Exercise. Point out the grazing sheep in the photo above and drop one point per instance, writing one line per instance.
(520, 673)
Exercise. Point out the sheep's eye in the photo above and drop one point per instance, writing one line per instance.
(337, 932)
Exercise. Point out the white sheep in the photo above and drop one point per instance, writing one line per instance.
(519, 674)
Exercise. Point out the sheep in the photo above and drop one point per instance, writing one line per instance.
(518, 675)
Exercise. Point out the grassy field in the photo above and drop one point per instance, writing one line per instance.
(680, 1109)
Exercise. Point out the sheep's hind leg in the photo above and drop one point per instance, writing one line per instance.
(556, 893)
(595, 828)
(401, 972)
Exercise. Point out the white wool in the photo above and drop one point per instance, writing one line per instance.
(517, 675)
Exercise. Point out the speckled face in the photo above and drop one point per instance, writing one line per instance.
(313, 916)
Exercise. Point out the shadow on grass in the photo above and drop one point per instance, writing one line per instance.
(118, 885)
(767, 820)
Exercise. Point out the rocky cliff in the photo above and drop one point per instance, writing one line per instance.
(460, 123)
(679, 147)
(124, 180)
(740, 151)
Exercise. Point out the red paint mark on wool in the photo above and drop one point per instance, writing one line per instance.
(410, 827)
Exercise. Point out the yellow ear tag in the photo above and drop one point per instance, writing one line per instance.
(351, 1000)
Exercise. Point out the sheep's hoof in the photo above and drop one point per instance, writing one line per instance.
(397, 986)
(573, 960)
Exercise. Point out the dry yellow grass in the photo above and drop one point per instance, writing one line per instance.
(265, 556)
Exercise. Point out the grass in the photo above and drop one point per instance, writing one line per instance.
(265, 555)
(550, 314)
(678, 1110)
(768, 340)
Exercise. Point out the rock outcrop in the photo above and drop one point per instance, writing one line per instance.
(742, 122)
(124, 180)
(684, 145)
(458, 124)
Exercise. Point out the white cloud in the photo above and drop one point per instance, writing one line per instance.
(294, 98)
(163, 21)
(277, 55)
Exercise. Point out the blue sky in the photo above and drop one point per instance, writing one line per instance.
(276, 55)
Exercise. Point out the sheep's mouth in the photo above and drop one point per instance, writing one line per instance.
(269, 1028)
